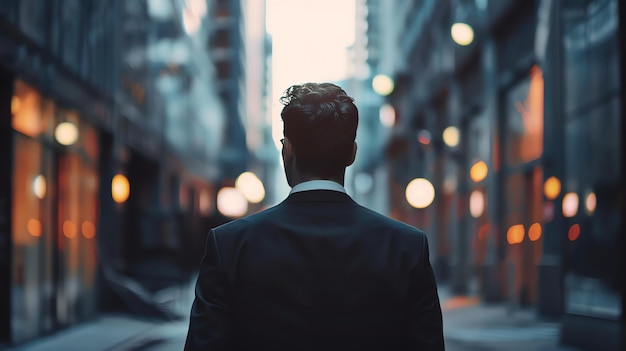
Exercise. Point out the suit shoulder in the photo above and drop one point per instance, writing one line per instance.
(391, 223)
(243, 223)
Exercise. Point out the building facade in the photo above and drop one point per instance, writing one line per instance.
(520, 130)
(115, 136)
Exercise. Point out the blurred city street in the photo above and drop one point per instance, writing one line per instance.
(130, 129)
(469, 325)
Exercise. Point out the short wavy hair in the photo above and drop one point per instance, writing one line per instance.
(320, 120)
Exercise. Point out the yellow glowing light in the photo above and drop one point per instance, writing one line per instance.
(451, 136)
(570, 205)
(420, 193)
(477, 203)
(534, 232)
(120, 188)
(69, 229)
(387, 115)
(39, 186)
(515, 234)
(479, 171)
(462, 34)
(231, 202)
(590, 202)
(88, 229)
(251, 187)
(34, 227)
(574, 232)
(552, 188)
(66, 133)
(383, 84)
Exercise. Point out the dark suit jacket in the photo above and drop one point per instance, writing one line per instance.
(316, 272)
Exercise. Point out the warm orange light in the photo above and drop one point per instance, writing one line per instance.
(552, 188)
(88, 229)
(570, 205)
(479, 171)
(34, 227)
(574, 232)
(590, 203)
(120, 188)
(515, 234)
(69, 229)
(534, 232)
(16, 103)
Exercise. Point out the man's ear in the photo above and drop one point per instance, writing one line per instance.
(353, 156)
(287, 150)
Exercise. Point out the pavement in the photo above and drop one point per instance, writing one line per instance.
(469, 325)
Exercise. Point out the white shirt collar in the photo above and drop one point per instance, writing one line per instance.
(318, 185)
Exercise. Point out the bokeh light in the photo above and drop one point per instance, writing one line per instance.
(451, 136)
(552, 188)
(231, 202)
(515, 234)
(590, 202)
(251, 187)
(479, 171)
(462, 33)
(387, 115)
(534, 232)
(120, 188)
(66, 133)
(88, 229)
(34, 227)
(574, 232)
(477, 203)
(570, 205)
(420, 193)
(383, 84)
(39, 186)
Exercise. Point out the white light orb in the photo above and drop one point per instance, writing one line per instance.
(231, 202)
(66, 133)
(451, 136)
(251, 187)
(39, 186)
(383, 84)
(462, 34)
(420, 193)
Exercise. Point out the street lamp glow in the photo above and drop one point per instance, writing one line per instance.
(383, 84)
(477, 203)
(552, 188)
(39, 186)
(66, 133)
(387, 115)
(462, 33)
(231, 202)
(479, 171)
(120, 188)
(251, 187)
(590, 202)
(451, 136)
(570, 205)
(420, 193)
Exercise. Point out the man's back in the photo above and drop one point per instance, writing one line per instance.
(318, 272)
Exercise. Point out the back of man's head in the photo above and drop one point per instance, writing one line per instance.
(320, 121)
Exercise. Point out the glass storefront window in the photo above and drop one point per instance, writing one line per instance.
(55, 197)
(593, 158)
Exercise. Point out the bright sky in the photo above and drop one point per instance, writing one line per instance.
(310, 40)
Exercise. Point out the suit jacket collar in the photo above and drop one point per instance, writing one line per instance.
(318, 196)
(318, 184)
